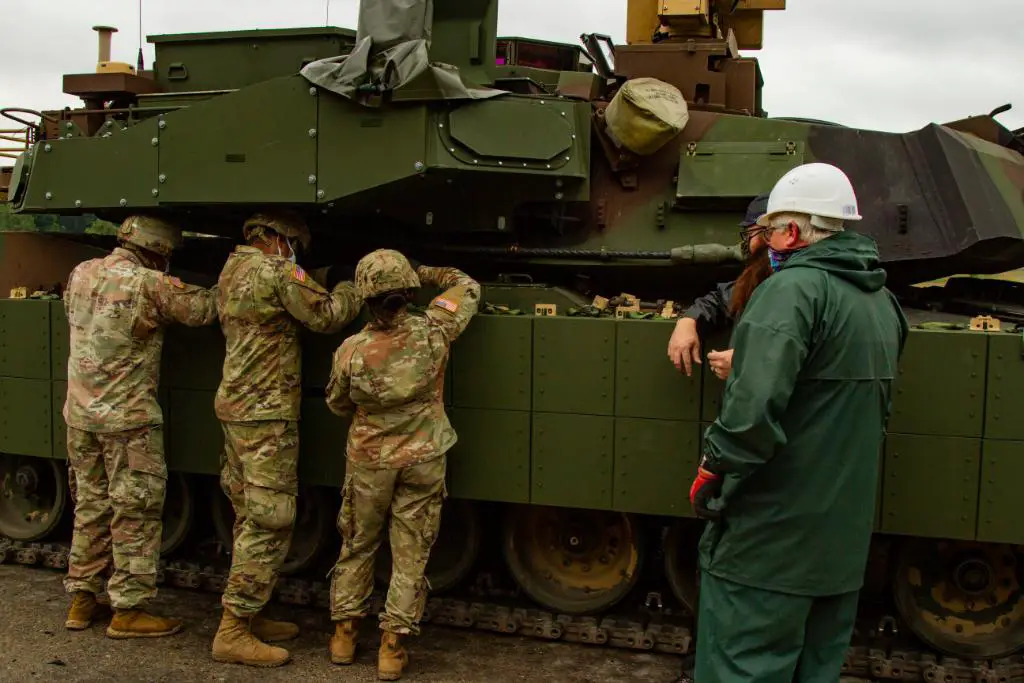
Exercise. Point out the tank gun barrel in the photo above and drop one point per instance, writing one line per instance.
(686, 255)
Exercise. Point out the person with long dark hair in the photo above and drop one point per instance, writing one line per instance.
(723, 305)
(391, 376)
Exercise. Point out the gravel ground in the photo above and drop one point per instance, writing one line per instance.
(34, 645)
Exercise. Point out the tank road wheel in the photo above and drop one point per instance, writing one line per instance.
(455, 549)
(681, 570)
(308, 537)
(573, 561)
(961, 597)
(33, 492)
(179, 509)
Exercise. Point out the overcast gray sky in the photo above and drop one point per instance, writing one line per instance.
(871, 63)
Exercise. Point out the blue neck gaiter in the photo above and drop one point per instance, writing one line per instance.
(777, 258)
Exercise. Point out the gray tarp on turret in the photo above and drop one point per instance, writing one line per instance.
(392, 51)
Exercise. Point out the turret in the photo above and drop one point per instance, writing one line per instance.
(694, 45)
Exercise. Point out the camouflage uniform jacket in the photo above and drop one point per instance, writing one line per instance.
(117, 311)
(262, 301)
(393, 378)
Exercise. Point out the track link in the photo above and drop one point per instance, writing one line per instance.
(876, 654)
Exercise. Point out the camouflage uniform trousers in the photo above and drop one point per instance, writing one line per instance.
(414, 496)
(119, 484)
(260, 478)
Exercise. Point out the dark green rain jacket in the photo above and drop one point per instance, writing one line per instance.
(799, 436)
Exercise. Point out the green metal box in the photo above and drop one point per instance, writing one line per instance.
(187, 62)
(60, 341)
(931, 486)
(318, 356)
(193, 357)
(647, 385)
(395, 139)
(26, 417)
(25, 338)
(252, 146)
(1005, 402)
(573, 457)
(127, 155)
(193, 436)
(322, 438)
(655, 461)
(941, 364)
(574, 365)
(491, 363)
(742, 170)
(491, 459)
(1000, 504)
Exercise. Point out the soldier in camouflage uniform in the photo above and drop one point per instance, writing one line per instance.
(265, 296)
(391, 375)
(118, 307)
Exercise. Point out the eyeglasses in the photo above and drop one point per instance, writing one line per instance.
(756, 231)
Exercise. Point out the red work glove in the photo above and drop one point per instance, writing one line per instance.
(706, 486)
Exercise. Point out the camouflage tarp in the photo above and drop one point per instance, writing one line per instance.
(391, 52)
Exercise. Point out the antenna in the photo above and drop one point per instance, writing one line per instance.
(139, 61)
(327, 12)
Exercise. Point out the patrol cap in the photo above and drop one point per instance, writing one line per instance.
(150, 233)
(384, 270)
(282, 221)
(755, 209)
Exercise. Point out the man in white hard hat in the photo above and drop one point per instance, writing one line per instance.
(789, 474)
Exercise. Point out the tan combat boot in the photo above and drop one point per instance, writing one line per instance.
(270, 631)
(235, 644)
(84, 608)
(392, 657)
(343, 642)
(137, 623)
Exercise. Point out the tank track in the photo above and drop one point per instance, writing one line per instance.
(876, 653)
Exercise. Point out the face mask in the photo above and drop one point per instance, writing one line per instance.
(167, 267)
(777, 258)
(291, 249)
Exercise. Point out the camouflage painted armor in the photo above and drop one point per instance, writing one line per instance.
(263, 300)
(392, 379)
(117, 310)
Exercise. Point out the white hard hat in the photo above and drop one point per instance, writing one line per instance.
(816, 189)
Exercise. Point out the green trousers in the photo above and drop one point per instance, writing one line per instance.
(750, 635)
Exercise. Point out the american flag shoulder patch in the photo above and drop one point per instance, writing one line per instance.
(176, 282)
(446, 304)
(299, 274)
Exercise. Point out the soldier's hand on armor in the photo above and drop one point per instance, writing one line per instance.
(720, 363)
(684, 346)
(706, 485)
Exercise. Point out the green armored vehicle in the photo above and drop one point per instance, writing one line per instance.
(595, 191)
